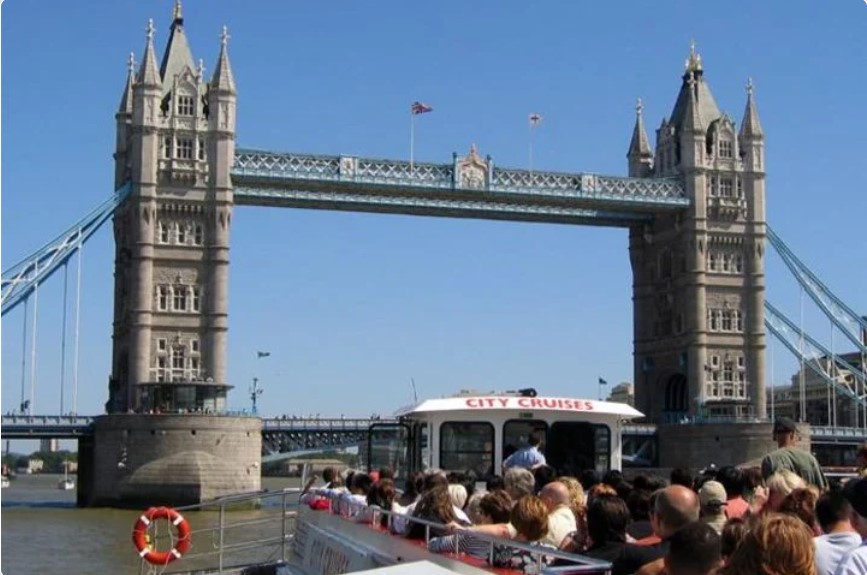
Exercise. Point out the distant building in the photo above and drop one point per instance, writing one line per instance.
(623, 393)
(49, 445)
(823, 404)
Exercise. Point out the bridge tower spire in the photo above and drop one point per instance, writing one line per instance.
(640, 156)
(699, 274)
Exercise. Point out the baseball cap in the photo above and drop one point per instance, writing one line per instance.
(855, 492)
(785, 425)
(713, 494)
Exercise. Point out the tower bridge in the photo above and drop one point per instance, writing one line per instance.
(693, 206)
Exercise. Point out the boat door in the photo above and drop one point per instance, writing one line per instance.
(575, 446)
(389, 445)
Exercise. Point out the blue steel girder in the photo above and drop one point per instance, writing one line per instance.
(808, 351)
(850, 323)
(21, 279)
(392, 186)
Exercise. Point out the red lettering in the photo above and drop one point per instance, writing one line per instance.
(523, 402)
(472, 403)
(535, 402)
(504, 401)
(588, 405)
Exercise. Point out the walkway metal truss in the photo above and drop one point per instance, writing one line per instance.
(808, 350)
(850, 323)
(468, 187)
(21, 279)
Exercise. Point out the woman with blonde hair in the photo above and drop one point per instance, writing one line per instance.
(578, 505)
(778, 544)
(779, 485)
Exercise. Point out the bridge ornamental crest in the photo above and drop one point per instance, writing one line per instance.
(348, 166)
(472, 171)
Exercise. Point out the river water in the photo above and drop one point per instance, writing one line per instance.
(42, 532)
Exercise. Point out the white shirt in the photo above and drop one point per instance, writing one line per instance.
(854, 562)
(831, 548)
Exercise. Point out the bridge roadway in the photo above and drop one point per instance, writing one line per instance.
(305, 433)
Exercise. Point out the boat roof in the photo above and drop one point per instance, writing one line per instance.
(517, 403)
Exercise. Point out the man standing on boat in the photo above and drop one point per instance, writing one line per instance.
(787, 456)
(528, 457)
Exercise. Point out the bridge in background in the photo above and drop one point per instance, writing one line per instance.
(284, 437)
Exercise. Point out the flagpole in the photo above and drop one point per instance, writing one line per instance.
(531, 148)
(411, 140)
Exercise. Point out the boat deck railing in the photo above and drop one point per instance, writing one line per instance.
(567, 563)
(236, 533)
(232, 533)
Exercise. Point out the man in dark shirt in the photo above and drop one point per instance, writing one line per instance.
(674, 507)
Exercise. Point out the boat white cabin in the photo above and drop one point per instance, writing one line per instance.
(478, 432)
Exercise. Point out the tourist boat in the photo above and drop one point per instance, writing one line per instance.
(468, 431)
(476, 432)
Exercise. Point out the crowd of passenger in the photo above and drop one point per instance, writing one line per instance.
(778, 518)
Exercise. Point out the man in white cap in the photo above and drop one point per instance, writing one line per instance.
(712, 496)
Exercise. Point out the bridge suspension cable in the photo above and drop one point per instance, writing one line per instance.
(19, 281)
(810, 351)
(850, 323)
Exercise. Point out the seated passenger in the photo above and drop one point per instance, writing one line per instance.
(436, 506)
(493, 507)
(529, 517)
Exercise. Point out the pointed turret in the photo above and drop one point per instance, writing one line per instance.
(705, 104)
(692, 120)
(126, 100)
(177, 56)
(148, 73)
(751, 139)
(222, 79)
(751, 127)
(640, 155)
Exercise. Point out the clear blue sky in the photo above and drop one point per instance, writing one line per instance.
(351, 306)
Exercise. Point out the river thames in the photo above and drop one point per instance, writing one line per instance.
(42, 531)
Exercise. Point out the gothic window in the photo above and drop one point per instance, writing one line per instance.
(726, 187)
(185, 105)
(713, 316)
(725, 148)
(161, 368)
(711, 261)
(182, 233)
(194, 345)
(728, 373)
(726, 262)
(185, 148)
(738, 263)
(714, 361)
(194, 365)
(179, 300)
(161, 345)
(162, 304)
(726, 321)
(178, 361)
(201, 153)
(712, 186)
(163, 230)
(167, 147)
(741, 362)
(740, 185)
(738, 321)
(198, 234)
(194, 298)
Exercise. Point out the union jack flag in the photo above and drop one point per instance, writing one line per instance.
(420, 108)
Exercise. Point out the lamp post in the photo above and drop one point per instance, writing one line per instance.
(255, 390)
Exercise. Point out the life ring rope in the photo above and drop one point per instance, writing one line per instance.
(142, 541)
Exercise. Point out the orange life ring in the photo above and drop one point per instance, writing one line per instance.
(142, 542)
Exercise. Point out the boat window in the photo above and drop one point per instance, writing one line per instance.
(387, 446)
(516, 433)
(575, 446)
(467, 445)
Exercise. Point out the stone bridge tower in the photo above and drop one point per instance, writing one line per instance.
(699, 275)
(175, 145)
